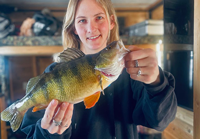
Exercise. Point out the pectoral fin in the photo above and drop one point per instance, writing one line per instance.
(100, 83)
(39, 107)
(90, 101)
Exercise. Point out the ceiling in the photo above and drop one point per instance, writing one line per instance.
(125, 4)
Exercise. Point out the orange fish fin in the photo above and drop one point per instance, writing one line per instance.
(90, 101)
(39, 107)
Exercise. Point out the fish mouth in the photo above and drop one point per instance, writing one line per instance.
(107, 74)
(113, 70)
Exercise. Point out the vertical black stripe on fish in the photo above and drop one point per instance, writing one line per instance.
(44, 84)
(33, 100)
(90, 60)
(38, 86)
(46, 94)
(57, 76)
(75, 70)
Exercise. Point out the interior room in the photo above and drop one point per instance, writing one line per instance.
(169, 27)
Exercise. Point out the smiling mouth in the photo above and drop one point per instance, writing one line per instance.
(92, 38)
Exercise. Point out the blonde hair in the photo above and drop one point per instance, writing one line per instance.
(70, 39)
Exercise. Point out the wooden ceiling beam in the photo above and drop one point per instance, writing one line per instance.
(62, 6)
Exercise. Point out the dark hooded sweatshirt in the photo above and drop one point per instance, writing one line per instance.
(126, 104)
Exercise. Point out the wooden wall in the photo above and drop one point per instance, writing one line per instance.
(133, 17)
(196, 101)
(19, 16)
(157, 13)
(21, 69)
(3, 132)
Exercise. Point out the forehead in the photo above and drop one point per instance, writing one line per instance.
(88, 7)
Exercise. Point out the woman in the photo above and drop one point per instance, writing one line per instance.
(142, 95)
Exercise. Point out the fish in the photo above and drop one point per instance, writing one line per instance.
(75, 78)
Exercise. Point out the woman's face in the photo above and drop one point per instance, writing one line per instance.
(92, 26)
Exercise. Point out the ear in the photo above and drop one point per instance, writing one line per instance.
(112, 22)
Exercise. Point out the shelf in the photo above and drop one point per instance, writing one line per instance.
(178, 47)
(31, 41)
(36, 45)
(178, 39)
(48, 45)
(149, 39)
(29, 50)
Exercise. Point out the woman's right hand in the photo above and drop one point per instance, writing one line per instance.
(55, 113)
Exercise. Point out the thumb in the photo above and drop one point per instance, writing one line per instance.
(133, 48)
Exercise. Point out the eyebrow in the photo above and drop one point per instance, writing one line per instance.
(94, 15)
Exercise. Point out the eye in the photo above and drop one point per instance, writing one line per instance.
(82, 21)
(99, 17)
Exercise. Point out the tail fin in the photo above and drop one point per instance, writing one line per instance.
(13, 115)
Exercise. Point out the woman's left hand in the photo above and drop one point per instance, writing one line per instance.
(142, 65)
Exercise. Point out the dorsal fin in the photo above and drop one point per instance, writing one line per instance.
(70, 54)
(32, 82)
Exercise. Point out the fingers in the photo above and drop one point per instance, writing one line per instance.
(133, 48)
(61, 111)
(66, 122)
(144, 71)
(49, 113)
(140, 54)
(56, 113)
(58, 118)
(68, 115)
(150, 62)
(147, 70)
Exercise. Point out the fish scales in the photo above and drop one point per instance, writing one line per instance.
(83, 82)
(77, 77)
(58, 85)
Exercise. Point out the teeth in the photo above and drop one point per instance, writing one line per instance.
(94, 37)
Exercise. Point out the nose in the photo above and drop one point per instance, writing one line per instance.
(92, 26)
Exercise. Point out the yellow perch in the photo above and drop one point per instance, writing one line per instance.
(75, 78)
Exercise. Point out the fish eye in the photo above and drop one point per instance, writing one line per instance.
(108, 48)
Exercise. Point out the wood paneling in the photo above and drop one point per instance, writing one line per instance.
(196, 87)
(29, 50)
(20, 16)
(132, 18)
(167, 135)
(42, 62)
(3, 124)
(152, 6)
(181, 127)
(176, 129)
(186, 116)
(21, 69)
(157, 13)
(64, 3)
